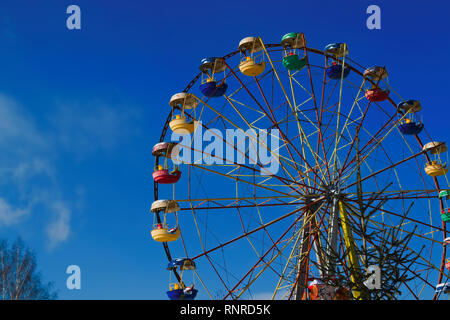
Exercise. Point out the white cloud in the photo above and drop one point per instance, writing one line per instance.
(28, 170)
(10, 215)
(17, 130)
(58, 230)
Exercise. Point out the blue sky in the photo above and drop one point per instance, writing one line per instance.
(80, 111)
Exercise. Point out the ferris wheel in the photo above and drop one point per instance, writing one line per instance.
(288, 172)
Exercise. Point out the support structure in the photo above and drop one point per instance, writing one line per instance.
(305, 244)
(331, 251)
(350, 247)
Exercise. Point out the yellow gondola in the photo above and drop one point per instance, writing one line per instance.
(161, 231)
(248, 66)
(181, 126)
(164, 234)
(182, 101)
(436, 169)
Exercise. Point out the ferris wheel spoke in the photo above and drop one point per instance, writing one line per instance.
(265, 231)
(365, 157)
(374, 138)
(306, 168)
(212, 264)
(286, 182)
(265, 225)
(266, 265)
(304, 138)
(386, 153)
(285, 144)
(359, 163)
(345, 126)
(382, 132)
(245, 155)
(426, 282)
(330, 95)
(358, 128)
(230, 206)
(400, 194)
(252, 127)
(276, 124)
(288, 264)
(319, 114)
(338, 117)
(237, 127)
(426, 264)
(301, 132)
(238, 179)
(411, 151)
(381, 170)
(405, 217)
(266, 253)
(410, 290)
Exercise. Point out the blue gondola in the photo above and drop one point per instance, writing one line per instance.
(209, 67)
(180, 294)
(411, 128)
(179, 291)
(335, 71)
(410, 125)
(212, 90)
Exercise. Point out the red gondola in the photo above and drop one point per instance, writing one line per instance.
(161, 175)
(377, 95)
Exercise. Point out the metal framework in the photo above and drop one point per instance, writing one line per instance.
(254, 233)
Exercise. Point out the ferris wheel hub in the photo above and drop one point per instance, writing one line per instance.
(333, 191)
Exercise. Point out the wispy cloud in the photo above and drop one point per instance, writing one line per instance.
(28, 154)
(9, 215)
(17, 130)
(23, 158)
(58, 230)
